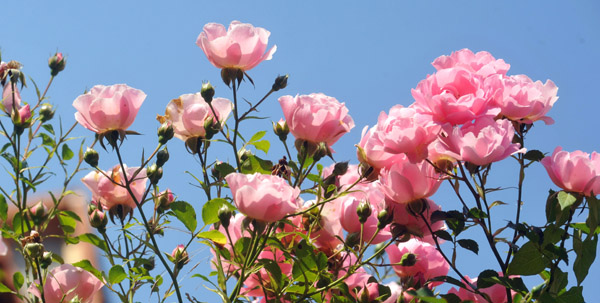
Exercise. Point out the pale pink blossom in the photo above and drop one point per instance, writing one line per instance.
(522, 100)
(429, 262)
(7, 98)
(107, 108)
(189, 113)
(402, 131)
(242, 46)
(256, 284)
(396, 292)
(574, 171)
(24, 114)
(405, 181)
(454, 95)
(481, 142)
(263, 197)
(481, 63)
(110, 195)
(316, 117)
(66, 282)
(372, 151)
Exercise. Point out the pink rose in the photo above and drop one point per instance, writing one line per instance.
(428, 262)
(189, 113)
(24, 115)
(402, 131)
(257, 283)
(405, 181)
(369, 292)
(7, 97)
(242, 46)
(453, 95)
(110, 195)
(66, 282)
(107, 108)
(574, 171)
(263, 197)
(522, 100)
(316, 117)
(481, 63)
(482, 142)
(396, 292)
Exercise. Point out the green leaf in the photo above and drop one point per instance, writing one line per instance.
(48, 128)
(185, 213)
(448, 279)
(18, 280)
(551, 206)
(258, 136)
(534, 155)
(93, 239)
(593, 219)
(575, 294)
(3, 208)
(477, 213)
(116, 274)
(274, 272)
(469, 244)
(67, 223)
(443, 234)
(224, 169)
(565, 200)
(211, 208)
(527, 261)
(263, 145)
(255, 164)
(586, 254)
(47, 140)
(213, 235)
(87, 265)
(485, 278)
(4, 288)
(67, 154)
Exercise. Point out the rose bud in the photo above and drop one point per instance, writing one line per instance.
(91, 157)
(46, 259)
(179, 256)
(46, 112)
(165, 199)
(280, 82)
(38, 213)
(207, 92)
(281, 129)
(57, 64)
(34, 250)
(162, 157)
(224, 215)
(363, 211)
(98, 219)
(165, 132)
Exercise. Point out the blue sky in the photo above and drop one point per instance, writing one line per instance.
(367, 54)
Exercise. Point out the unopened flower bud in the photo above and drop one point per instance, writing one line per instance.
(224, 215)
(91, 157)
(91, 207)
(417, 207)
(408, 259)
(154, 173)
(98, 219)
(21, 118)
(46, 112)
(165, 199)
(211, 128)
(34, 250)
(57, 64)
(179, 256)
(165, 132)
(207, 92)
(162, 157)
(321, 151)
(38, 213)
(352, 239)
(46, 259)
(340, 168)
(281, 129)
(363, 210)
(280, 82)
(384, 218)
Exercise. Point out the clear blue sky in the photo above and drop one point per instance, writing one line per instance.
(368, 54)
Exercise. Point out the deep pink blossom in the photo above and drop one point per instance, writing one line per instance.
(66, 282)
(481, 142)
(242, 46)
(522, 100)
(263, 197)
(405, 181)
(574, 171)
(429, 262)
(316, 117)
(189, 113)
(110, 195)
(454, 95)
(106, 108)
(481, 63)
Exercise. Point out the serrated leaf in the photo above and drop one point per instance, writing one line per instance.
(469, 244)
(93, 239)
(18, 280)
(211, 208)
(185, 213)
(565, 200)
(67, 154)
(116, 274)
(213, 235)
(528, 260)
